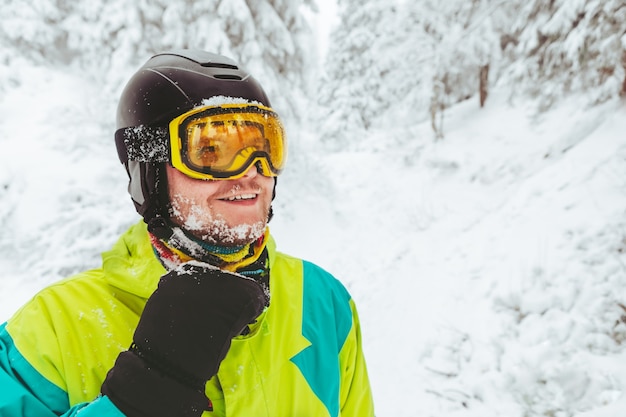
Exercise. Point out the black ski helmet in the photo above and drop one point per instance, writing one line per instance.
(168, 85)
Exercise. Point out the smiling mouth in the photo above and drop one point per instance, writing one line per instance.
(240, 197)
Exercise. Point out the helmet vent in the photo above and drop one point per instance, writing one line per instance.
(218, 65)
(228, 77)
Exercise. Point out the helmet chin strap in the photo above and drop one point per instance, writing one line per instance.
(148, 190)
(160, 227)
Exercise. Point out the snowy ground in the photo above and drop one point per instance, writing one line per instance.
(489, 268)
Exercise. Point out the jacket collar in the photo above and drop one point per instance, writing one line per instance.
(132, 266)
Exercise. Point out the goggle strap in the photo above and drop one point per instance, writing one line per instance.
(143, 144)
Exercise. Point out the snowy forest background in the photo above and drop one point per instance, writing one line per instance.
(460, 165)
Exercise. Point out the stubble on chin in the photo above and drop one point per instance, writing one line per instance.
(220, 233)
(213, 229)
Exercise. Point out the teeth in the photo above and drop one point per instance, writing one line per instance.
(241, 197)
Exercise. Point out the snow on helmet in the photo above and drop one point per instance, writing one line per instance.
(166, 86)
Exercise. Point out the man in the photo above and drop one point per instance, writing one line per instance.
(193, 311)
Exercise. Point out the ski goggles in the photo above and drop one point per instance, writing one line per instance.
(223, 142)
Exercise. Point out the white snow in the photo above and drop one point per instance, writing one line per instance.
(489, 268)
(221, 100)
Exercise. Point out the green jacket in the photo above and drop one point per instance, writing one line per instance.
(303, 358)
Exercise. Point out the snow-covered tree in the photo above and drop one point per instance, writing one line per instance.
(570, 46)
(110, 38)
(415, 59)
(464, 39)
(412, 59)
(358, 67)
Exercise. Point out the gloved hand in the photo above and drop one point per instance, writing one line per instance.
(183, 335)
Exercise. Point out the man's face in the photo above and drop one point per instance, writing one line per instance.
(223, 212)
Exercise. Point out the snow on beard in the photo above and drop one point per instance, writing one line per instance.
(208, 227)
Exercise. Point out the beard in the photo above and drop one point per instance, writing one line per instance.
(218, 232)
(212, 228)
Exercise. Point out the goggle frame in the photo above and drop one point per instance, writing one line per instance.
(269, 162)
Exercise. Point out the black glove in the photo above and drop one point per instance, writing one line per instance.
(182, 337)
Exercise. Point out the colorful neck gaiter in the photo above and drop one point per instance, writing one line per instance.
(250, 260)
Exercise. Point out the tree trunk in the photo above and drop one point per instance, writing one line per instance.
(483, 87)
(437, 107)
(623, 92)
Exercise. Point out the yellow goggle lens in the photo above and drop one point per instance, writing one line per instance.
(222, 142)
